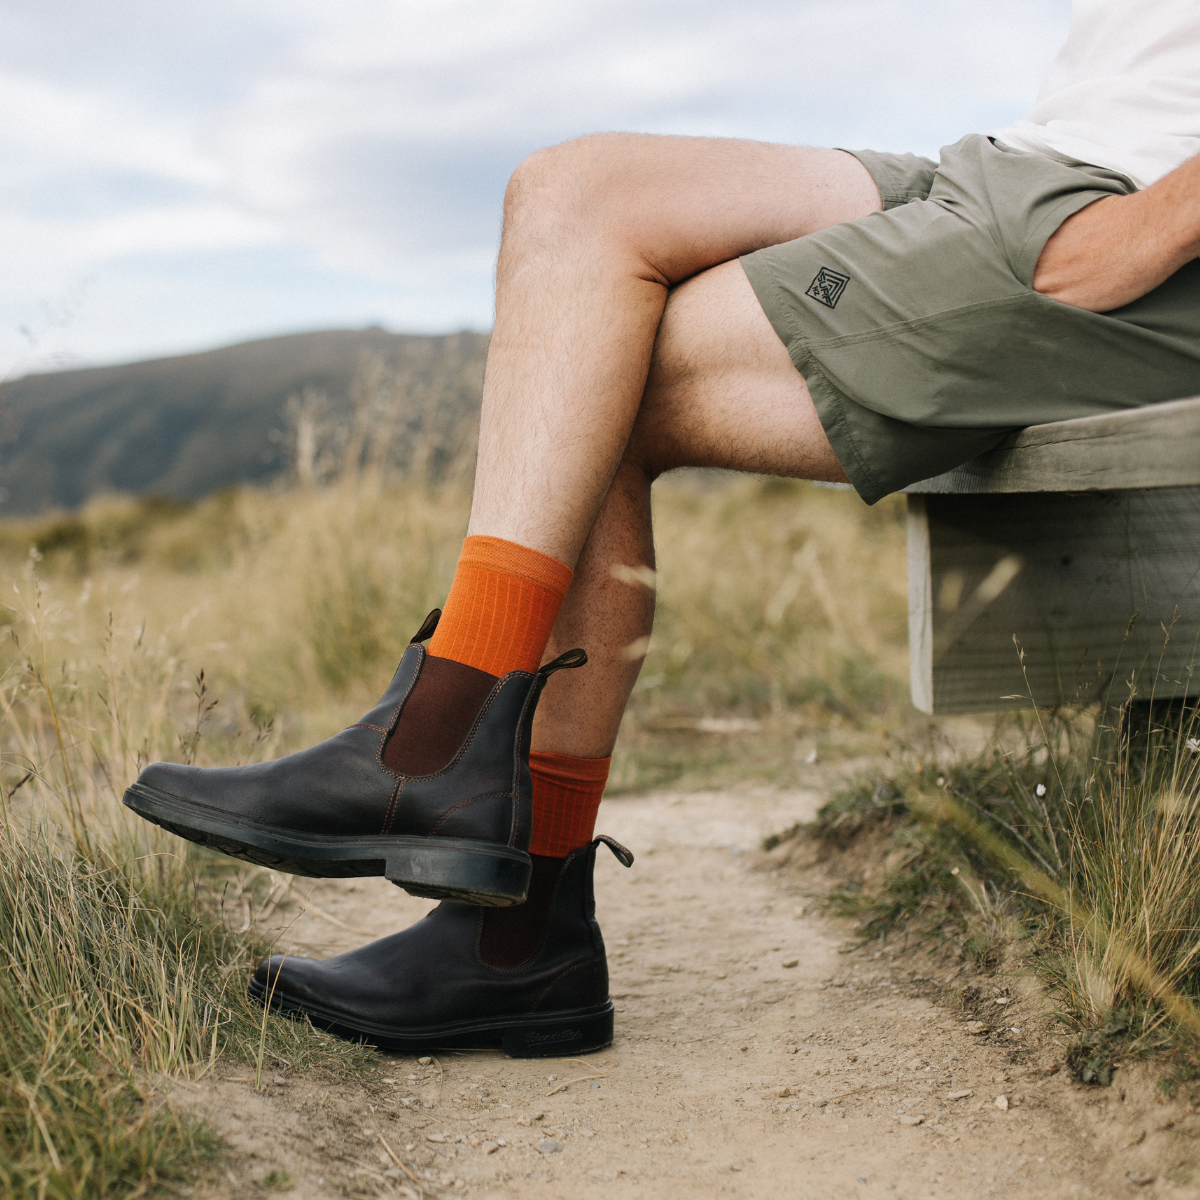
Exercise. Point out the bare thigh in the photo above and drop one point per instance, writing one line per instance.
(722, 389)
(665, 208)
(596, 232)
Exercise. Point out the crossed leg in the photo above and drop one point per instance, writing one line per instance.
(596, 233)
(627, 344)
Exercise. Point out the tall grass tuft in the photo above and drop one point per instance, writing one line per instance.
(1077, 831)
(116, 964)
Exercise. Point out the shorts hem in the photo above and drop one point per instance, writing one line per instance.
(831, 411)
(827, 399)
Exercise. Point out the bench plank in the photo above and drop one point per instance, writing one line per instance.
(1157, 446)
(1063, 574)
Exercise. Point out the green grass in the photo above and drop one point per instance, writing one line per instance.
(251, 623)
(1068, 841)
(117, 968)
(780, 632)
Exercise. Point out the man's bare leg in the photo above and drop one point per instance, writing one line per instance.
(596, 232)
(722, 392)
(591, 392)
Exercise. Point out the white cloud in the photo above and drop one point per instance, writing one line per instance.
(54, 124)
(339, 141)
(372, 141)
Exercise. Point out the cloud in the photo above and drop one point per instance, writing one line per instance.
(390, 134)
(371, 142)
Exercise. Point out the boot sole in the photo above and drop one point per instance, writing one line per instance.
(535, 1035)
(471, 872)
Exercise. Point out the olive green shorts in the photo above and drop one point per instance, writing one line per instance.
(918, 331)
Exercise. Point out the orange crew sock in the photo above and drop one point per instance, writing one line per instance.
(566, 795)
(502, 605)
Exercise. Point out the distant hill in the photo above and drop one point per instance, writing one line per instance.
(193, 424)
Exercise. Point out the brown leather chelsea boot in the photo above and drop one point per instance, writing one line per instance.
(430, 789)
(532, 980)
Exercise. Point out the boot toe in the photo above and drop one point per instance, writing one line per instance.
(171, 779)
(290, 982)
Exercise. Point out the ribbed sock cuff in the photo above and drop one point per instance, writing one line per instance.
(566, 796)
(502, 606)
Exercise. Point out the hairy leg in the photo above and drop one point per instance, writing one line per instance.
(722, 392)
(596, 232)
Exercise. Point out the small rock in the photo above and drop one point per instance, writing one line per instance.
(721, 975)
(490, 1147)
(910, 1120)
(279, 1079)
(1138, 1178)
(1001, 1102)
(549, 1146)
(960, 1095)
(1137, 1139)
(837, 983)
(435, 1137)
(501, 1142)
(784, 1091)
(1002, 1000)
(977, 1027)
(424, 1062)
(393, 1173)
(743, 1047)
(791, 962)
(791, 1049)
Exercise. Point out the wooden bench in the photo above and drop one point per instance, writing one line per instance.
(1057, 538)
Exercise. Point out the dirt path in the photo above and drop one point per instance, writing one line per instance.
(752, 1059)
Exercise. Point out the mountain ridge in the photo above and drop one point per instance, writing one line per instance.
(189, 425)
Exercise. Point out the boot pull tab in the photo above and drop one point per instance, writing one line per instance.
(427, 627)
(622, 854)
(568, 661)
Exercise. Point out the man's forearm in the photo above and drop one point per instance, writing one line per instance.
(1119, 248)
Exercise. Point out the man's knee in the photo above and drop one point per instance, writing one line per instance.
(574, 187)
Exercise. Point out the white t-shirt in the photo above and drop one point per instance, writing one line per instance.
(1124, 91)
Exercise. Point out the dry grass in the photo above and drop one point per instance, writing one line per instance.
(1069, 839)
(256, 622)
(780, 631)
(298, 604)
(259, 621)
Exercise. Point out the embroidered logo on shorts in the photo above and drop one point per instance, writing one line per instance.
(828, 287)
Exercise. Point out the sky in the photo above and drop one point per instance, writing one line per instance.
(175, 177)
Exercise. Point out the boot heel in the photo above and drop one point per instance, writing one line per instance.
(561, 1034)
(456, 869)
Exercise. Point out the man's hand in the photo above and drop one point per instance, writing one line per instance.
(1119, 248)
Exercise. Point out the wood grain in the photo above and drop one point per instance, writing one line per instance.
(1153, 447)
(1086, 566)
